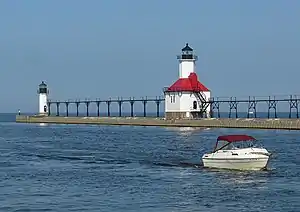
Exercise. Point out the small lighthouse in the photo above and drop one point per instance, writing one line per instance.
(43, 98)
(187, 97)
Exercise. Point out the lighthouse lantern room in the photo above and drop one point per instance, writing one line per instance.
(43, 99)
(187, 97)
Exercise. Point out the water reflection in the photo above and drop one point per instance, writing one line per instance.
(43, 124)
(187, 130)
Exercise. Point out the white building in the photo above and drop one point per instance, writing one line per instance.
(43, 99)
(187, 97)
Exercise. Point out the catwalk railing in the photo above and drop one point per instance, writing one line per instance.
(270, 105)
(120, 101)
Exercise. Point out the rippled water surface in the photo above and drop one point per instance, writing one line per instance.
(112, 168)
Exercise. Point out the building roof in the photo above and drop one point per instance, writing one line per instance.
(187, 48)
(43, 84)
(188, 84)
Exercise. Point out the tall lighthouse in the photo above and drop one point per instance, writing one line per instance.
(187, 97)
(43, 98)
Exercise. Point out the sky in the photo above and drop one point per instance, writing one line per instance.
(110, 48)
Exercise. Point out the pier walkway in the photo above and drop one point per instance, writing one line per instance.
(287, 124)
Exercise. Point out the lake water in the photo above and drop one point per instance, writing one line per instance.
(123, 168)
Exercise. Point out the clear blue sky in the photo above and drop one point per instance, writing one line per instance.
(110, 48)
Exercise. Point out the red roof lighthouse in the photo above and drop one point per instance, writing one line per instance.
(187, 97)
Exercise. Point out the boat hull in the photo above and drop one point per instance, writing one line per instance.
(236, 163)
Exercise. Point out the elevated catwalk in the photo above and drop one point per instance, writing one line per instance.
(231, 105)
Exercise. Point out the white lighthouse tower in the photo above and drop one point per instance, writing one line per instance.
(43, 98)
(187, 97)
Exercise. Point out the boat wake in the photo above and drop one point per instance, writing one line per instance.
(180, 164)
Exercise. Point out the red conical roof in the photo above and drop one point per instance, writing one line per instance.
(188, 84)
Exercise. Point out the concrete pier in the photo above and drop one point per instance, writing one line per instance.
(256, 123)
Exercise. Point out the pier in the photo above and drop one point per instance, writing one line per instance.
(282, 124)
(249, 107)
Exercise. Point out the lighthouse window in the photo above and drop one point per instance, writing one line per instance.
(43, 90)
(195, 105)
(172, 99)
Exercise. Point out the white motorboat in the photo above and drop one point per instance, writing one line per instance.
(239, 152)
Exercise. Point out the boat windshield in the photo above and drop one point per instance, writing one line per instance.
(220, 145)
(224, 145)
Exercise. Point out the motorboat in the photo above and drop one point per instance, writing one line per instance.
(240, 152)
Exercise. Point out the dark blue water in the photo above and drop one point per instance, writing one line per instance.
(122, 168)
